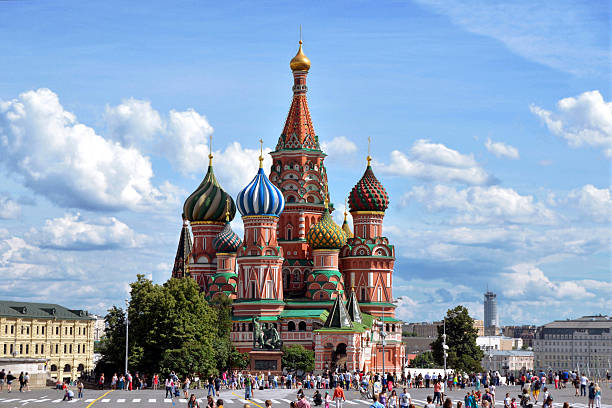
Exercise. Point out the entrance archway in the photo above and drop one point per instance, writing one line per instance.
(339, 356)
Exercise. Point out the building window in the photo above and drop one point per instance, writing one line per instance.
(252, 289)
(71, 349)
(57, 349)
(289, 236)
(43, 330)
(37, 330)
(27, 349)
(36, 349)
(21, 349)
(302, 326)
(379, 294)
(363, 294)
(71, 331)
(5, 349)
(56, 330)
(12, 329)
(291, 326)
(364, 232)
(65, 348)
(12, 349)
(42, 349)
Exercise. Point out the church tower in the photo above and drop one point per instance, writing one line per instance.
(205, 210)
(367, 259)
(298, 171)
(260, 258)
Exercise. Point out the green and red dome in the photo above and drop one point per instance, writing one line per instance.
(209, 201)
(368, 194)
(227, 241)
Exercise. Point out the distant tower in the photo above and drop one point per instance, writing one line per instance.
(491, 318)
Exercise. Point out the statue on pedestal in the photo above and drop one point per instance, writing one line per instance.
(265, 338)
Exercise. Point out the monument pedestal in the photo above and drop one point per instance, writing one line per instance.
(266, 360)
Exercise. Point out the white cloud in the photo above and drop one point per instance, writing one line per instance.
(593, 202)
(339, 147)
(185, 143)
(527, 280)
(133, 123)
(235, 166)
(74, 232)
(69, 163)
(585, 120)
(9, 208)
(501, 149)
(538, 30)
(434, 161)
(482, 205)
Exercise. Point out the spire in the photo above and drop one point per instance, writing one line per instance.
(210, 155)
(338, 317)
(298, 132)
(352, 307)
(261, 153)
(345, 226)
(369, 158)
(181, 260)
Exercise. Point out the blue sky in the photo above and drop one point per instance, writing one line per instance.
(491, 125)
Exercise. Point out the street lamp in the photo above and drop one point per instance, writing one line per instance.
(444, 346)
(127, 333)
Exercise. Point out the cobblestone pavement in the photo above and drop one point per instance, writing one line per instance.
(234, 399)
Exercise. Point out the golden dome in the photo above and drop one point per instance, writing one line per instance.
(300, 62)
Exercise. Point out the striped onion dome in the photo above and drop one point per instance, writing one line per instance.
(260, 197)
(368, 194)
(326, 234)
(226, 241)
(209, 201)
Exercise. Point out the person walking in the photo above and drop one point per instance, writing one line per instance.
(168, 387)
(591, 395)
(583, 385)
(193, 402)
(21, 382)
(338, 396)
(393, 401)
(405, 400)
(597, 396)
(2, 378)
(80, 387)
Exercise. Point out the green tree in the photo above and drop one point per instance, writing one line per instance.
(423, 360)
(222, 345)
(296, 357)
(172, 327)
(238, 360)
(463, 353)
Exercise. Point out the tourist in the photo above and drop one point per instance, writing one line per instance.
(535, 388)
(526, 399)
(247, 387)
(302, 402)
(405, 399)
(68, 395)
(193, 402)
(338, 396)
(155, 382)
(220, 403)
(267, 402)
(597, 396)
(80, 387)
(26, 381)
(591, 395)
(429, 402)
(2, 377)
(437, 395)
(210, 402)
(21, 382)
(167, 384)
(382, 398)
(507, 400)
(393, 401)
(316, 398)
(448, 403)
(114, 380)
(376, 403)
(583, 384)
(101, 381)
(186, 386)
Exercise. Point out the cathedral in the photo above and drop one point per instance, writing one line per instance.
(320, 285)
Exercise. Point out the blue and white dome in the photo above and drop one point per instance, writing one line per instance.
(260, 197)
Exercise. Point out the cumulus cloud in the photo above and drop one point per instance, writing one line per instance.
(482, 205)
(133, 122)
(592, 202)
(527, 280)
(501, 149)
(74, 232)
(9, 208)
(235, 166)
(338, 147)
(585, 120)
(185, 142)
(435, 161)
(69, 163)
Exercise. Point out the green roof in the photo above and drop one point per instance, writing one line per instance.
(389, 319)
(41, 311)
(275, 301)
(249, 318)
(303, 313)
(385, 304)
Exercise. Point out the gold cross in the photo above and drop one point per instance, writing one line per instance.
(260, 153)
(210, 156)
(369, 158)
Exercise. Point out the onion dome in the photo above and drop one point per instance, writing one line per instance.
(300, 62)
(227, 241)
(326, 234)
(207, 203)
(368, 194)
(345, 226)
(222, 283)
(260, 196)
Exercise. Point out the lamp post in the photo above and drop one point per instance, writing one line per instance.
(127, 333)
(444, 346)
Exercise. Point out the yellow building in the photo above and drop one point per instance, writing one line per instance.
(64, 337)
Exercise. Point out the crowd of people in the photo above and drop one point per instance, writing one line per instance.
(9, 378)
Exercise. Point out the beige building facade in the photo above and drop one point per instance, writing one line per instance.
(63, 337)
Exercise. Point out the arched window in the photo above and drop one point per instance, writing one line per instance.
(291, 199)
(291, 326)
(302, 326)
(387, 328)
(392, 327)
(81, 368)
(243, 326)
(289, 231)
(67, 368)
(250, 327)
(53, 367)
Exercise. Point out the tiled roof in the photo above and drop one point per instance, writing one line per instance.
(31, 310)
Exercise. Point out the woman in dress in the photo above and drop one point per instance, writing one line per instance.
(393, 400)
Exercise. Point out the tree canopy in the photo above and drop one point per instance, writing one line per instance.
(463, 353)
(172, 328)
(296, 357)
(423, 360)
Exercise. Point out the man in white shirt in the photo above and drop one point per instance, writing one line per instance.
(405, 399)
(583, 384)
